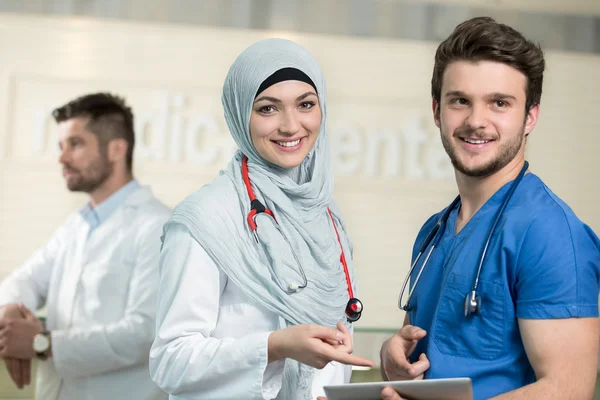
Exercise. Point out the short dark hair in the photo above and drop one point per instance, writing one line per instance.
(109, 118)
(484, 39)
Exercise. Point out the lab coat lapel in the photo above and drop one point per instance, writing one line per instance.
(72, 275)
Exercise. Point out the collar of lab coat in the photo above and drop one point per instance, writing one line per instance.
(142, 195)
(130, 195)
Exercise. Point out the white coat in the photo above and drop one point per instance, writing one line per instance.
(100, 295)
(212, 338)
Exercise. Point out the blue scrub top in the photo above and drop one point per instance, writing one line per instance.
(542, 263)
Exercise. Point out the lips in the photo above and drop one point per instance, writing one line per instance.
(69, 172)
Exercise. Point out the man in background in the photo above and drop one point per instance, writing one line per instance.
(97, 276)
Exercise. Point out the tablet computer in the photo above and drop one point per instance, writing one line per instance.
(427, 389)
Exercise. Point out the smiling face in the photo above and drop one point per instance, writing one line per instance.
(482, 116)
(285, 122)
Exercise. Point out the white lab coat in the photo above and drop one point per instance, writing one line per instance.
(211, 340)
(100, 294)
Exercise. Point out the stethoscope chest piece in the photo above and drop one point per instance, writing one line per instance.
(354, 309)
(472, 304)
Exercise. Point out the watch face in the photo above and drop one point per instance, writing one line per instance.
(41, 343)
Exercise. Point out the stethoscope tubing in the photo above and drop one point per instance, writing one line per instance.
(434, 236)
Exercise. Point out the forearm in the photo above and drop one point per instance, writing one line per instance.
(548, 388)
(29, 283)
(275, 348)
(17, 289)
(217, 368)
(92, 350)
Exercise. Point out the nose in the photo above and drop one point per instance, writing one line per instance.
(64, 157)
(477, 118)
(290, 124)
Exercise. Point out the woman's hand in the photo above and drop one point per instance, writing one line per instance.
(314, 345)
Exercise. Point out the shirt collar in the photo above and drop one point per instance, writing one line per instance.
(99, 214)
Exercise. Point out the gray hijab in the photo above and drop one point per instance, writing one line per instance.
(299, 198)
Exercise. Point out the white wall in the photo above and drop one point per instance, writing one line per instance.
(378, 93)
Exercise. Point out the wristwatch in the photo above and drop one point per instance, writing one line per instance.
(42, 345)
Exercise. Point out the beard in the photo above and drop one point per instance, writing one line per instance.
(506, 153)
(91, 177)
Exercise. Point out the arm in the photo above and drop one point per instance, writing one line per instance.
(556, 291)
(96, 349)
(564, 356)
(185, 360)
(29, 284)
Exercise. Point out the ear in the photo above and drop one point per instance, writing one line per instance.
(531, 119)
(435, 107)
(117, 149)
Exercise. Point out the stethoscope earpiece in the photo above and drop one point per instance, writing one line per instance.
(293, 287)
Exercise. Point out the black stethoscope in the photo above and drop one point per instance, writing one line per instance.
(354, 307)
(472, 300)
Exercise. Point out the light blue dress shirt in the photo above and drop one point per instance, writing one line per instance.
(95, 216)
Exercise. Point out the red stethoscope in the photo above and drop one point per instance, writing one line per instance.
(354, 307)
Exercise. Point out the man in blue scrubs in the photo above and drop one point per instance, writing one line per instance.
(536, 335)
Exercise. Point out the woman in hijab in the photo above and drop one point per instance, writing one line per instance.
(257, 280)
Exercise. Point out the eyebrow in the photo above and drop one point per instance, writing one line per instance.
(455, 93)
(492, 96)
(71, 138)
(75, 137)
(501, 96)
(276, 100)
